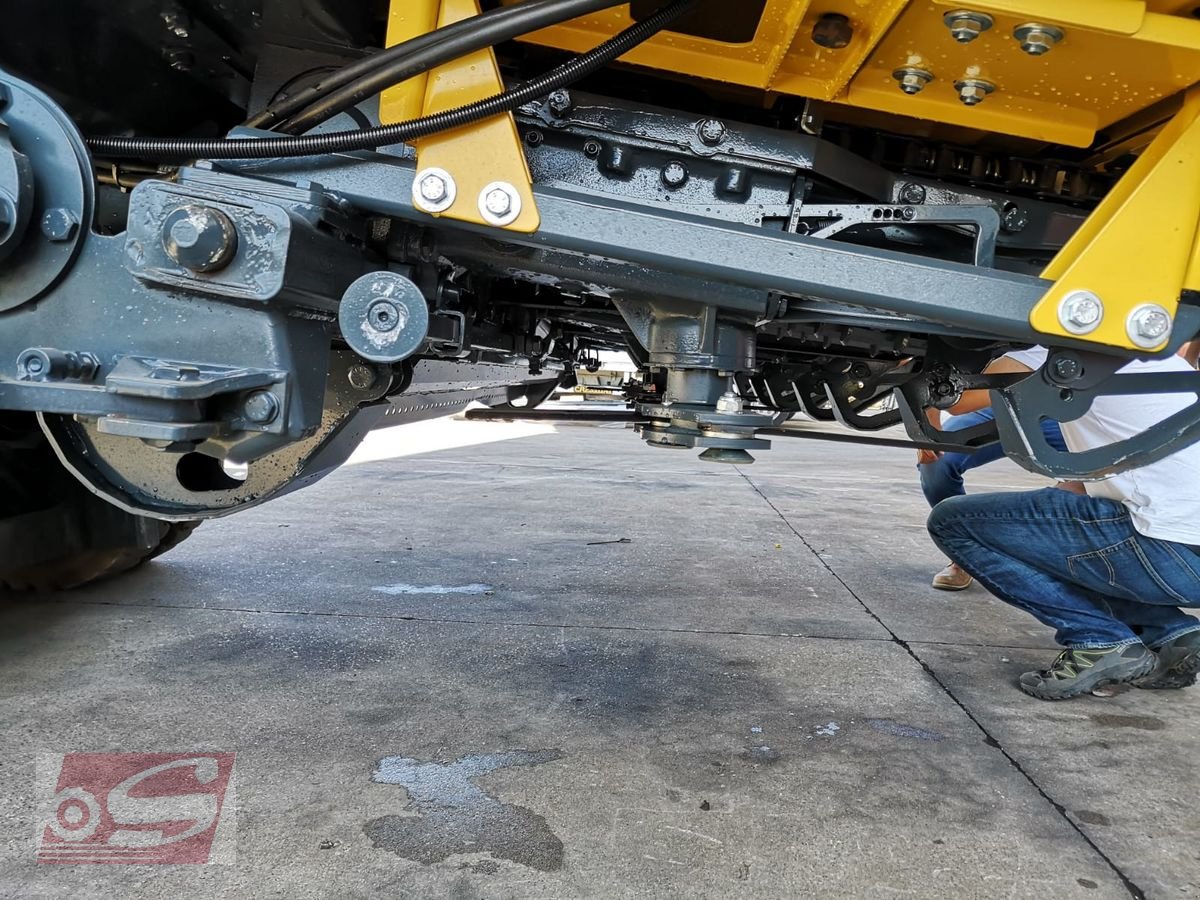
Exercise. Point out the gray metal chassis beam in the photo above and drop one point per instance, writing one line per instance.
(614, 245)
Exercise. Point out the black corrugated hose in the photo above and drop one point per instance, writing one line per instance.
(369, 138)
(422, 53)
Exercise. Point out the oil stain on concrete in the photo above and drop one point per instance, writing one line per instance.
(455, 815)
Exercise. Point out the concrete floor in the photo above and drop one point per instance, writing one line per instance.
(756, 695)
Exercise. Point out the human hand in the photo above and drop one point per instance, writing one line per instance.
(925, 457)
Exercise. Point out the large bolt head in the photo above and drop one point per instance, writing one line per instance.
(674, 174)
(729, 403)
(433, 188)
(1080, 312)
(497, 202)
(59, 224)
(1148, 325)
(261, 407)
(966, 26)
(560, 102)
(832, 31)
(361, 377)
(199, 238)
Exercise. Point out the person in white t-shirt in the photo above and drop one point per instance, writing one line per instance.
(1108, 564)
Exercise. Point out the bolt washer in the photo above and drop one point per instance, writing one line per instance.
(514, 203)
(409, 325)
(420, 201)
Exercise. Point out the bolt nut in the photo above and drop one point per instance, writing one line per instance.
(560, 102)
(261, 407)
(729, 402)
(973, 91)
(965, 26)
(912, 80)
(1080, 312)
(385, 316)
(499, 203)
(913, 193)
(711, 131)
(434, 190)
(1148, 325)
(59, 224)
(674, 174)
(832, 31)
(199, 238)
(361, 378)
(1037, 39)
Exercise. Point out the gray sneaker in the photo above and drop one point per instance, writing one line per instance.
(1178, 663)
(1080, 671)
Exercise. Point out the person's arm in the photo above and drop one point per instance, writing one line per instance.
(1191, 353)
(972, 401)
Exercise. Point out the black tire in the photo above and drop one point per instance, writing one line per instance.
(54, 533)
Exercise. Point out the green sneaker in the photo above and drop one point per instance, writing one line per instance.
(1178, 663)
(1080, 671)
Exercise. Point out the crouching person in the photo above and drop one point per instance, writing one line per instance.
(1108, 565)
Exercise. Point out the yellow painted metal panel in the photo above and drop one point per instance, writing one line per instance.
(407, 19)
(1137, 244)
(1089, 80)
(1118, 16)
(486, 151)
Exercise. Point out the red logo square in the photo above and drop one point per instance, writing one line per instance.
(135, 808)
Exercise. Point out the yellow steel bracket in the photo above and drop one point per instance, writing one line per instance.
(1136, 252)
(477, 173)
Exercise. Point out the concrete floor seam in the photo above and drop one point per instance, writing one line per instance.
(1134, 890)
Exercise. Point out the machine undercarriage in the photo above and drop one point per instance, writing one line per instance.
(194, 333)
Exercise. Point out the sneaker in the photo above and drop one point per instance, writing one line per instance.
(1178, 663)
(1080, 671)
(952, 578)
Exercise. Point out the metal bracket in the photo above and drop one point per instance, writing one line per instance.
(984, 219)
(477, 173)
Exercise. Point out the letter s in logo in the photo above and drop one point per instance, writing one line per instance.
(199, 809)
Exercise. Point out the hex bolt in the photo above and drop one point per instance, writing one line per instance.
(711, 131)
(729, 402)
(1067, 368)
(59, 224)
(560, 102)
(47, 364)
(434, 190)
(832, 31)
(361, 378)
(385, 316)
(499, 203)
(965, 26)
(1148, 325)
(973, 91)
(260, 407)
(913, 193)
(1080, 312)
(1036, 39)
(908, 213)
(912, 80)
(199, 238)
(674, 174)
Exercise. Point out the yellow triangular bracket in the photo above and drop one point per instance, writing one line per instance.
(1138, 245)
(481, 160)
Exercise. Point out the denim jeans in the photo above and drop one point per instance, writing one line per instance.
(1075, 562)
(944, 478)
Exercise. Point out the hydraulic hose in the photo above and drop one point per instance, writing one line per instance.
(370, 138)
(424, 52)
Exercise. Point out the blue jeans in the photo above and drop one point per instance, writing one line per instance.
(1075, 562)
(944, 478)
